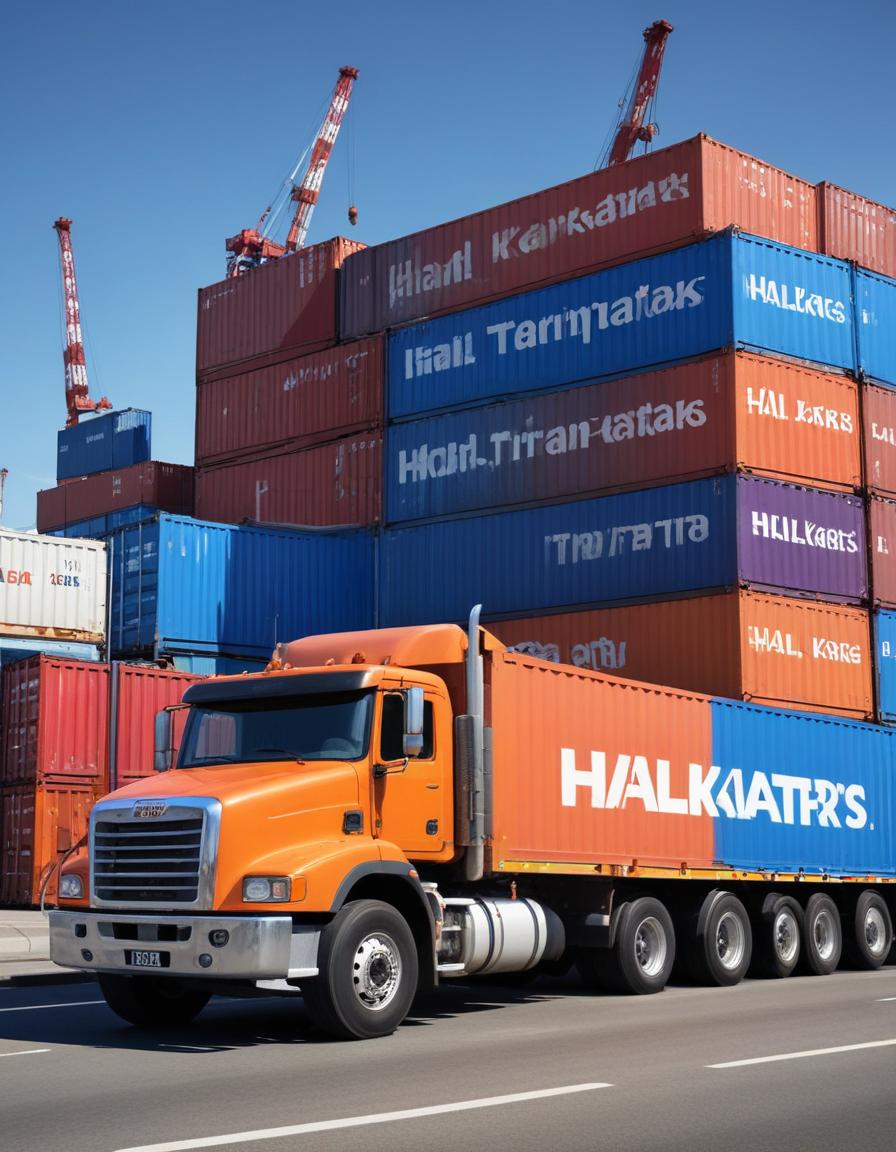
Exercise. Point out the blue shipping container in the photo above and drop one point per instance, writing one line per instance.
(659, 542)
(798, 791)
(20, 649)
(217, 665)
(183, 585)
(97, 527)
(102, 443)
(726, 291)
(885, 664)
(875, 298)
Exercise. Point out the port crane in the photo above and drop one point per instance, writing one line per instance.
(254, 246)
(77, 391)
(631, 126)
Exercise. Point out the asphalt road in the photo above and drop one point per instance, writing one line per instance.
(578, 1071)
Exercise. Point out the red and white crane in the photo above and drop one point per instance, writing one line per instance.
(254, 246)
(77, 391)
(631, 127)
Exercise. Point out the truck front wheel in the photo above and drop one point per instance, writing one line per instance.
(368, 972)
(152, 1001)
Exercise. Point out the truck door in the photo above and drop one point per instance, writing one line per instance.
(411, 806)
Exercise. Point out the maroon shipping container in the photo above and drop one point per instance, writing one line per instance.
(879, 417)
(140, 692)
(298, 403)
(168, 487)
(882, 536)
(40, 822)
(273, 310)
(336, 483)
(655, 202)
(853, 228)
(56, 718)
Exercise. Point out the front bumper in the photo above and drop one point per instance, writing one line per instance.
(258, 947)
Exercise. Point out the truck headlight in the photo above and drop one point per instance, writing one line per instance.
(265, 889)
(71, 886)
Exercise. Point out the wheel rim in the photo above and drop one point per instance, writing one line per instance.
(376, 973)
(824, 933)
(730, 941)
(650, 946)
(787, 936)
(875, 932)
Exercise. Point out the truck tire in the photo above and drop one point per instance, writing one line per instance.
(152, 1001)
(867, 931)
(368, 972)
(643, 951)
(777, 929)
(822, 935)
(720, 943)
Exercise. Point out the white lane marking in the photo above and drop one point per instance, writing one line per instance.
(26, 1052)
(802, 1055)
(362, 1121)
(885, 999)
(68, 1004)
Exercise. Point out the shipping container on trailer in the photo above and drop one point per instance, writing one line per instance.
(769, 649)
(101, 443)
(302, 401)
(879, 440)
(651, 203)
(716, 414)
(882, 541)
(193, 587)
(335, 483)
(56, 718)
(875, 305)
(660, 542)
(138, 692)
(272, 311)
(167, 487)
(52, 589)
(41, 822)
(731, 290)
(852, 227)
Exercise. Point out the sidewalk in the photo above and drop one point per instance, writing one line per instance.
(25, 950)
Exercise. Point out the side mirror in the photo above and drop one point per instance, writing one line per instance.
(162, 750)
(412, 743)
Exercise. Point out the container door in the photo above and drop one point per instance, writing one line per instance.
(411, 806)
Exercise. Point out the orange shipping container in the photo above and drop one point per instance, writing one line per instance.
(741, 645)
(879, 418)
(41, 822)
(140, 692)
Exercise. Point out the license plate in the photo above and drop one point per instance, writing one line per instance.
(137, 958)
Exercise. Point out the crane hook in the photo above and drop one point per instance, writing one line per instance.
(353, 215)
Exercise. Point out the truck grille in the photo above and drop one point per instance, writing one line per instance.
(158, 861)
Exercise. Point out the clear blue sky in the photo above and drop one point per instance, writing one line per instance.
(163, 126)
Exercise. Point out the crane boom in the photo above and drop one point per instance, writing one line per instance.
(632, 127)
(77, 391)
(252, 246)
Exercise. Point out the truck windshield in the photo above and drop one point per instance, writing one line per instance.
(335, 726)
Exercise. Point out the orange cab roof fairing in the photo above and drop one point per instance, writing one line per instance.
(414, 647)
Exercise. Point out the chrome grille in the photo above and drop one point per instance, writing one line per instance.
(163, 861)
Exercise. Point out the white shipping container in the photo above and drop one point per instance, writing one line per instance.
(52, 587)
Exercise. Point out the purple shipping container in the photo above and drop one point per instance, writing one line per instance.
(652, 544)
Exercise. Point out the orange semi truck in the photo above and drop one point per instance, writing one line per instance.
(382, 810)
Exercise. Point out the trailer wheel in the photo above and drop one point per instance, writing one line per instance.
(868, 931)
(152, 1001)
(368, 972)
(721, 941)
(776, 937)
(643, 952)
(822, 935)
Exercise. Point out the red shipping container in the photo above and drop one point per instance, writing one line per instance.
(882, 533)
(140, 692)
(655, 202)
(879, 416)
(299, 402)
(168, 487)
(742, 645)
(335, 483)
(853, 228)
(56, 717)
(41, 822)
(273, 310)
